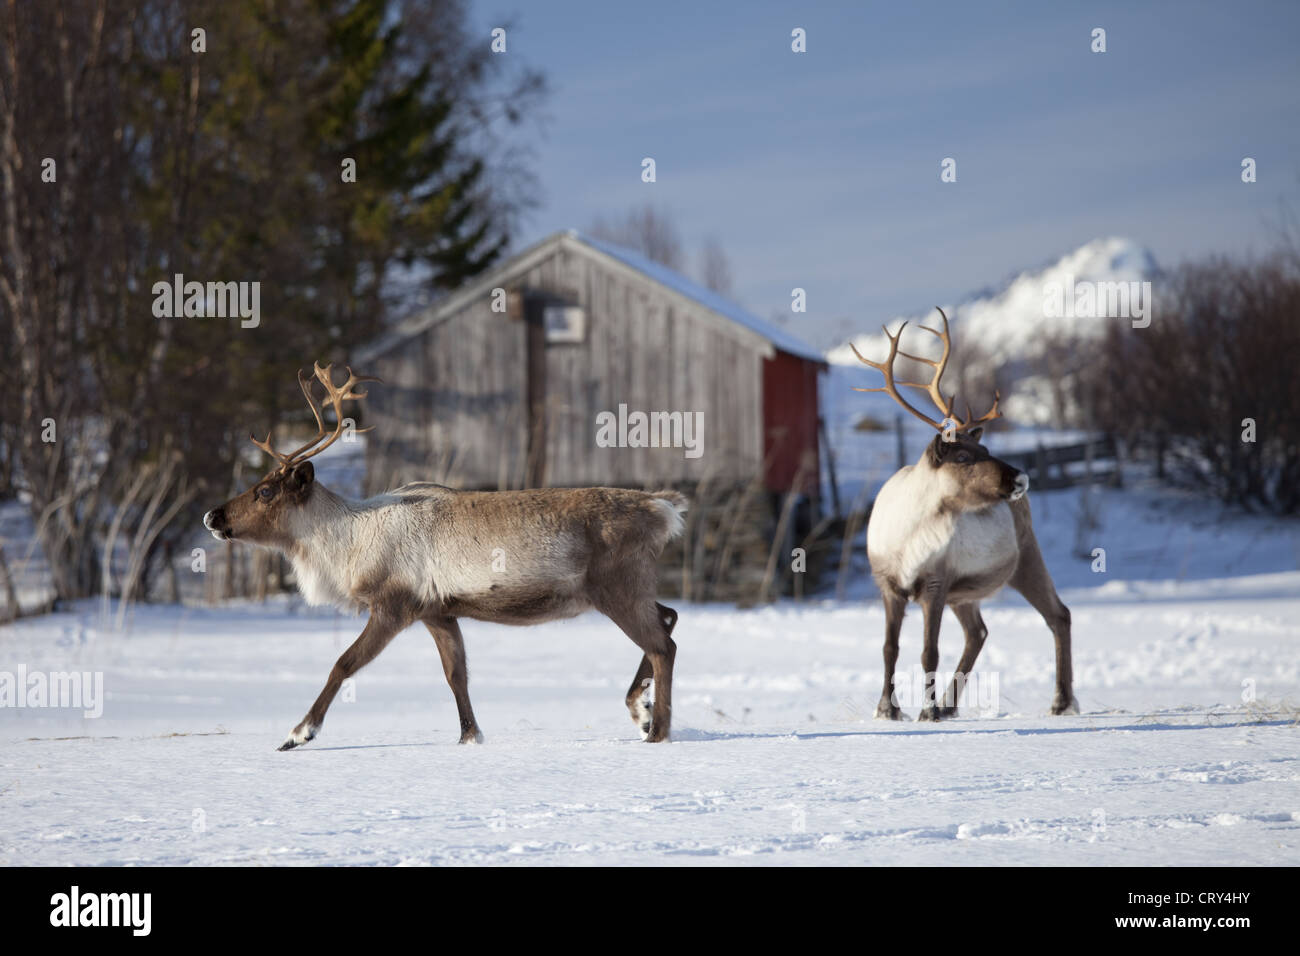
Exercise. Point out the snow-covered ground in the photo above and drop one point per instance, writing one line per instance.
(775, 758)
(1187, 750)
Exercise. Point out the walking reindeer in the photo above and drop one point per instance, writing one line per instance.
(423, 552)
(952, 530)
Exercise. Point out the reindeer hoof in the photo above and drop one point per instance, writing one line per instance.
(946, 712)
(886, 710)
(301, 734)
(1059, 707)
(472, 736)
(928, 714)
(653, 736)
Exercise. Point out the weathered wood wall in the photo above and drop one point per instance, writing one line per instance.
(453, 408)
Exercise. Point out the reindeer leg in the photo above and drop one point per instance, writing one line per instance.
(895, 608)
(932, 603)
(380, 629)
(972, 624)
(1033, 581)
(649, 626)
(451, 648)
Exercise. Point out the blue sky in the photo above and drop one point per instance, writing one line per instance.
(821, 169)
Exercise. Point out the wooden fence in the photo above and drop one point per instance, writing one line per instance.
(1096, 461)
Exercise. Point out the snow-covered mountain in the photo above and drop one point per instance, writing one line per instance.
(1012, 326)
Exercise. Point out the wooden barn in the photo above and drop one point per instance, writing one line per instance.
(579, 362)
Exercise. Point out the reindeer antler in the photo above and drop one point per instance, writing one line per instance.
(336, 396)
(933, 388)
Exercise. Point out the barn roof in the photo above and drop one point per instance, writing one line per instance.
(706, 297)
(718, 304)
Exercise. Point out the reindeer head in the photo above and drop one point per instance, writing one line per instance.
(969, 476)
(261, 514)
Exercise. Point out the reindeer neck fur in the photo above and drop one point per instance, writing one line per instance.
(338, 543)
(920, 530)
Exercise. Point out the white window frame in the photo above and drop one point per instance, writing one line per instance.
(565, 324)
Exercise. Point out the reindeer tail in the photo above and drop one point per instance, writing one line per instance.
(673, 506)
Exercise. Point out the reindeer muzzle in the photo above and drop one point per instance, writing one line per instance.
(215, 521)
(1020, 488)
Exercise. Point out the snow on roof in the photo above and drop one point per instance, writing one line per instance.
(707, 298)
(713, 301)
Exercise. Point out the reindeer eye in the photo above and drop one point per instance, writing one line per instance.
(963, 458)
(266, 492)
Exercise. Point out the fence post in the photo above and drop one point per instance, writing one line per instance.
(10, 610)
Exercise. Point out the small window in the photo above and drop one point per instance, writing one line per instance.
(565, 323)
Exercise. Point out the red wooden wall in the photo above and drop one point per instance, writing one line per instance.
(790, 421)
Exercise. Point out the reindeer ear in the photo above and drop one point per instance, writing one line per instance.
(974, 433)
(937, 448)
(302, 476)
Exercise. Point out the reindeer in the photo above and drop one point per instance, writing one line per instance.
(953, 529)
(423, 552)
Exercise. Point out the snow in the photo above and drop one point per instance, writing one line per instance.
(864, 460)
(28, 568)
(1010, 330)
(1187, 750)
(714, 301)
(670, 278)
(1009, 323)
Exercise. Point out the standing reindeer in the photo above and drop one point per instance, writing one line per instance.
(953, 529)
(423, 552)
